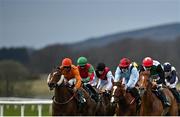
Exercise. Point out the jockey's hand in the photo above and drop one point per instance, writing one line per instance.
(74, 89)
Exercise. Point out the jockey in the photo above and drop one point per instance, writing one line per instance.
(87, 74)
(127, 71)
(171, 79)
(72, 76)
(157, 73)
(105, 77)
(87, 71)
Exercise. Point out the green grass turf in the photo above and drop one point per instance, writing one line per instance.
(30, 110)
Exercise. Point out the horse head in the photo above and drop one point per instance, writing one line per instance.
(118, 91)
(54, 79)
(144, 81)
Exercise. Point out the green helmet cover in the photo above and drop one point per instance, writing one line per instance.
(82, 61)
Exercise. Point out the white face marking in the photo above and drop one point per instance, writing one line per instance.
(114, 89)
(48, 78)
(143, 81)
(112, 98)
(54, 73)
(60, 80)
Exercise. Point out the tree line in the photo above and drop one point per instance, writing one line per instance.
(43, 60)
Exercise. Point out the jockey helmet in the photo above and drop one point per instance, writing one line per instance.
(82, 61)
(167, 67)
(147, 62)
(100, 67)
(124, 62)
(66, 62)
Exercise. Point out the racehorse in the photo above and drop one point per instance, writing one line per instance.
(124, 101)
(65, 102)
(151, 105)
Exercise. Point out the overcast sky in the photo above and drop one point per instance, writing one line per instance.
(37, 23)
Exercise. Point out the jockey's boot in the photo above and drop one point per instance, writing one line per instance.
(176, 94)
(81, 100)
(163, 99)
(81, 97)
(94, 95)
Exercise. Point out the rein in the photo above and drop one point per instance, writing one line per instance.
(54, 100)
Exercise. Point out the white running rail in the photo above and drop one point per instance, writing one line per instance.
(23, 103)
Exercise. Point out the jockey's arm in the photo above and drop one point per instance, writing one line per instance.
(99, 83)
(173, 77)
(90, 75)
(109, 79)
(161, 75)
(117, 75)
(78, 79)
(133, 78)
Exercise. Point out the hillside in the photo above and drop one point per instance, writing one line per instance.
(161, 32)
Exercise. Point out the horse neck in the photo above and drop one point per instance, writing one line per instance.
(62, 94)
(125, 99)
(148, 98)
